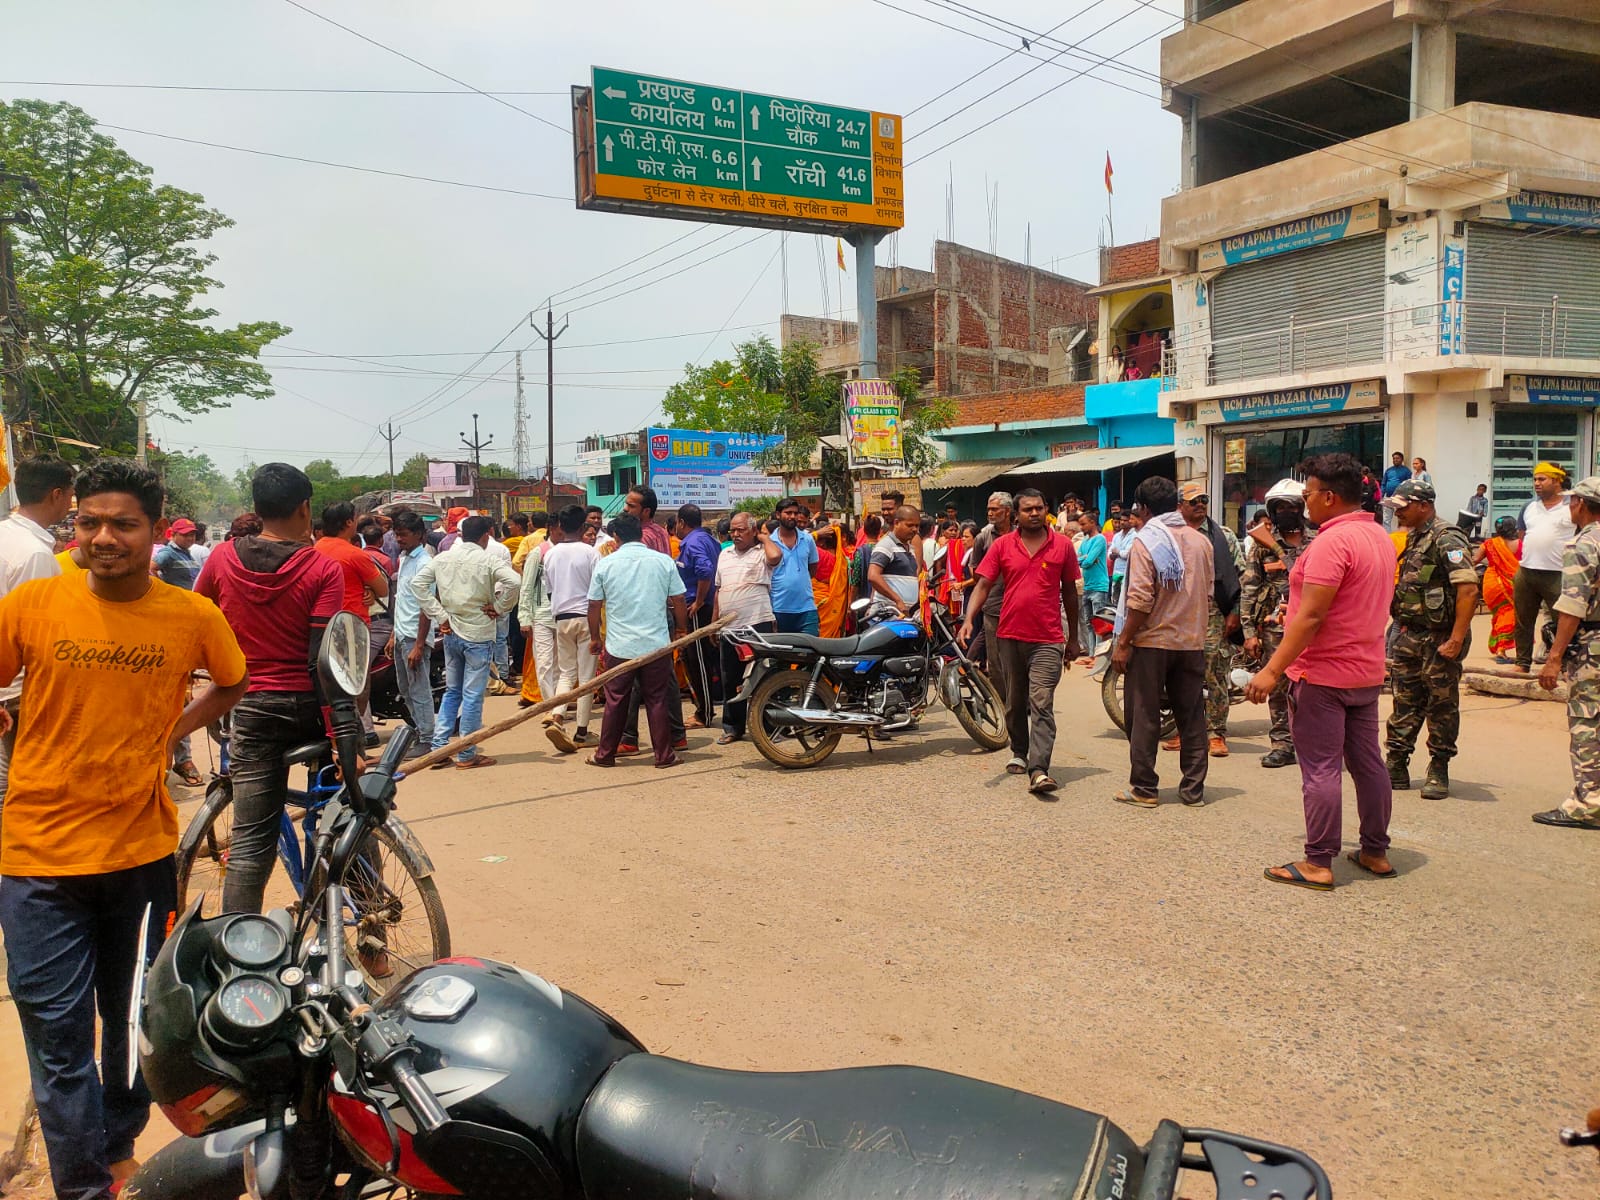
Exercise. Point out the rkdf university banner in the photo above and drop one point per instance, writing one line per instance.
(871, 424)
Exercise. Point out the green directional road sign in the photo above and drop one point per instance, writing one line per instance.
(671, 142)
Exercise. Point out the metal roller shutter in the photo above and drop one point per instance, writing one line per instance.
(1534, 293)
(1333, 296)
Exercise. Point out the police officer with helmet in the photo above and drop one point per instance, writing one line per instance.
(1264, 591)
(1434, 600)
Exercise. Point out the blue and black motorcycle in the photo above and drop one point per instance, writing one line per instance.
(805, 693)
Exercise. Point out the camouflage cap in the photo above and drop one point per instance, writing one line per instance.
(1586, 489)
(1419, 490)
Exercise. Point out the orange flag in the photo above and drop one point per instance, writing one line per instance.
(1108, 172)
(840, 245)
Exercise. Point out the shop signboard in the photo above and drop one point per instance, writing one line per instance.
(869, 492)
(1545, 208)
(646, 143)
(592, 464)
(1062, 449)
(1189, 441)
(1557, 391)
(1351, 221)
(1294, 402)
(871, 424)
(1455, 282)
(713, 470)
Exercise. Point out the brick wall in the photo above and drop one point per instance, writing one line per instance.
(1136, 260)
(1020, 404)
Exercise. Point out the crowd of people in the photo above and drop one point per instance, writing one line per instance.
(103, 635)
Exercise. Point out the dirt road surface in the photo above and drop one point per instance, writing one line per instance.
(1422, 1037)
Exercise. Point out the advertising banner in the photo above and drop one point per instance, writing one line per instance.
(1455, 283)
(713, 470)
(1350, 221)
(871, 424)
(1296, 402)
(869, 492)
(592, 464)
(1546, 208)
(1561, 391)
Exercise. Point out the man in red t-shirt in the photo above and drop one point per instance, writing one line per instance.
(1040, 571)
(277, 594)
(363, 581)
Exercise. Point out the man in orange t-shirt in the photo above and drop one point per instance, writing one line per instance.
(363, 580)
(89, 832)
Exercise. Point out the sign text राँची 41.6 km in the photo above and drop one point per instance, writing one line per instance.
(650, 145)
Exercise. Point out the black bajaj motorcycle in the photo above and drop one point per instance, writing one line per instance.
(804, 693)
(475, 1078)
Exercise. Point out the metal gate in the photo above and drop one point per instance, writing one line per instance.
(1314, 308)
(1533, 293)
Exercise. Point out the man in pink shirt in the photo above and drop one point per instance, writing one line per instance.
(1332, 652)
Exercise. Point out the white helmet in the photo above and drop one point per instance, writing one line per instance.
(1288, 491)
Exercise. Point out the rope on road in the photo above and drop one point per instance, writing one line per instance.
(451, 749)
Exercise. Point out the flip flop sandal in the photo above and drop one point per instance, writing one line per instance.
(1355, 857)
(1135, 800)
(1295, 879)
(187, 772)
(729, 739)
(1016, 767)
(1041, 784)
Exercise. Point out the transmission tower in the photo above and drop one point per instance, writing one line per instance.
(520, 449)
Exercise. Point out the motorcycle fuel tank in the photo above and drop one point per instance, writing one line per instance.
(505, 1049)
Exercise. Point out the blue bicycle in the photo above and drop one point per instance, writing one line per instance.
(394, 920)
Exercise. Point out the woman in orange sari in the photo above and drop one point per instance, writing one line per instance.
(830, 582)
(1502, 552)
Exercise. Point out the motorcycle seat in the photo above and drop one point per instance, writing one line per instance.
(658, 1127)
(829, 647)
(309, 752)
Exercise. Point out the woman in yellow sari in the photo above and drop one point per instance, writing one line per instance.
(1501, 553)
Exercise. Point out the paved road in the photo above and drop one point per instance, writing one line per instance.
(1422, 1037)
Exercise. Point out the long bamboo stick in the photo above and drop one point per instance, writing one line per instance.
(451, 749)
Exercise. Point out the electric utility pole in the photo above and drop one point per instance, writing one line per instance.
(475, 445)
(549, 333)
(389, 436)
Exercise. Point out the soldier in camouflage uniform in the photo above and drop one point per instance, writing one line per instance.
(1263, 593)
(1222, 618)
(1576, 655)
(1434, 600)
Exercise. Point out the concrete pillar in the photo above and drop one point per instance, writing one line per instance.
(1433, 69)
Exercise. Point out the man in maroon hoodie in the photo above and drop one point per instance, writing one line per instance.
(277, 594)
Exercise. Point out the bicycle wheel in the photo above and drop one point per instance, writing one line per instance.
(1111, 699)
(394, 919)
(976, 704)
(202, 858)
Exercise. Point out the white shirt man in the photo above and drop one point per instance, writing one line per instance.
(1548, 532)
(568, 568)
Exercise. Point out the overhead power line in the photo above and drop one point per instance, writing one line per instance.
(272, 91)
(371, 41)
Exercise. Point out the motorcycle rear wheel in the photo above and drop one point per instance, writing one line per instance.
(1111, 698)
(980, 709)
(793, 747)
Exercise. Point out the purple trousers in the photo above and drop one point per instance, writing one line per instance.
(1333, 726)
(656, 681)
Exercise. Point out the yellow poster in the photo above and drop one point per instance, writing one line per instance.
(872, 423)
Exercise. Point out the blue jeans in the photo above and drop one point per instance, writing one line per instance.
(416, 688)
(797, 622)
(502, 646)
(466, 677)
(70, 942)
(1089, 602)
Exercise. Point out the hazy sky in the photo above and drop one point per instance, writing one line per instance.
(422, 278)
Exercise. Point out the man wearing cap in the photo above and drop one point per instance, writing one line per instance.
(1547, 528)
(1576, 655)
(173, 563)
(1434, 600)
(1222, 616)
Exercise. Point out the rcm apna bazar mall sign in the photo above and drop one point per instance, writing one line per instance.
(1351, 221)
(1296, 402)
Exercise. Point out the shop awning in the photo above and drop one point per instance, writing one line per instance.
(1093, 460)
(975, 473)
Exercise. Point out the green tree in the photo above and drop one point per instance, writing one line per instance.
(768, 390)
(413, 475)
(195, 488)
(113, 274)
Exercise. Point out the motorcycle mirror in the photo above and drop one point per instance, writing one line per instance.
(344, 657)
(136, 997)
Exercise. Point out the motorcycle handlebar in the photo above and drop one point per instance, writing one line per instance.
(399, 746)
(414, 1092)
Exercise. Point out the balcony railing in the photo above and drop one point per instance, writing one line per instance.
(1553, 330)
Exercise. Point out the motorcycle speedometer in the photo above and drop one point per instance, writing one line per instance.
(252, 941)
(245, 1011)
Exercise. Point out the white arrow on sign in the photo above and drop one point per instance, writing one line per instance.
(755, 118)
(755, 169)
(612, 93)
(608, 144)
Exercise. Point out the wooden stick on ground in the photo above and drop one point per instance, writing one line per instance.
(451, 749)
